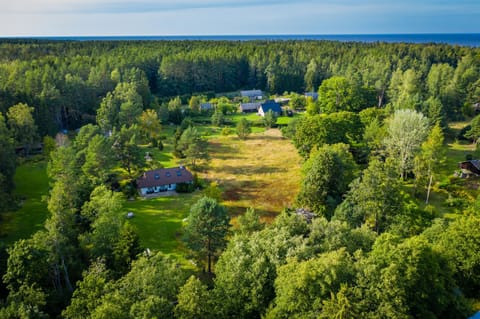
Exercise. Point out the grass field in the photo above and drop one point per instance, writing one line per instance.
(159, 221)
(261, 172)
(31, 185)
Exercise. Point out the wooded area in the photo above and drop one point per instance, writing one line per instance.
(373, 152)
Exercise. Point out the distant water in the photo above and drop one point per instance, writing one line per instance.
(462, 39)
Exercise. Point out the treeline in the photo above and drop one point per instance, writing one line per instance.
(65, 81)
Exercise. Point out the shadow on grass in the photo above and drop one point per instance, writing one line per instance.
(250, 170)
(222, 151)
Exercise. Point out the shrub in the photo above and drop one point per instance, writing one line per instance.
(185, 188)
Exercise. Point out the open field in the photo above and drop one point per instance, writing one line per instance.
(31, 185)
(159, 221)
(261, 172)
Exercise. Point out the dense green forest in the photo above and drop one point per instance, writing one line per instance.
(372, 148)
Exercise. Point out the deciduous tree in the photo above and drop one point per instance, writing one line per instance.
(22, 125)
(243, 128)
(327, 174)
(406, 131)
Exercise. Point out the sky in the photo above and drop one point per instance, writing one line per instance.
(235, 17)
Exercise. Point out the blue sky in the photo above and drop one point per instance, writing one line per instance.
(230, 17)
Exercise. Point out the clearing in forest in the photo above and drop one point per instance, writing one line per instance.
(263, 172)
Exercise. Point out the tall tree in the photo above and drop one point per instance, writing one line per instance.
(312, 76)
(120, 107)
(432, 156)
(99, 160)
(474, 132)
(406, 131)
(374, 199)
(87, 296)
(7, 165)
(126, 150)
(206, 230)
(335, 94)
(22, 125)
(193, 300)
(193, 146)
(327, 174)
(149, 125)
(301, 287)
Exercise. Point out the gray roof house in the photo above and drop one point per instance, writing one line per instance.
(249, 107)
(270, 105)
(162, 180)
(206, 106)
(252, 94)
(313, 95)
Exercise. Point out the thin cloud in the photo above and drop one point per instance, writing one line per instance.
(149, 6)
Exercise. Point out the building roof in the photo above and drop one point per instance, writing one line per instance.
(164, 176)
(475, 316)
(472, 166)
(249, 106)
(313, 95)
(206, 106)
(271, 105)
(251, 93)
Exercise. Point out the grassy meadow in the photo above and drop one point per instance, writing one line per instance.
(31, 187)
(262, 172)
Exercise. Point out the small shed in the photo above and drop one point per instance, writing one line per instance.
(470, 168)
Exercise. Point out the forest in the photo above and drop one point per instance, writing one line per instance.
(382, 223)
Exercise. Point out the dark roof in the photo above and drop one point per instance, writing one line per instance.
(473, 166)
(164, 176)
(308, 215)
(251, 93)
(313, 95)
(271, 105)
(249, 106)
(206, 106)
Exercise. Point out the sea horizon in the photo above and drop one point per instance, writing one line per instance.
(461, 39)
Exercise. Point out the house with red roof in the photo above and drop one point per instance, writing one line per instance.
(163, 179)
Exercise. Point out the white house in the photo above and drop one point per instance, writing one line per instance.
(270, 106)
(163, 179)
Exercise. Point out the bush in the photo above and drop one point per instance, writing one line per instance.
(185, 188)
(226, 131)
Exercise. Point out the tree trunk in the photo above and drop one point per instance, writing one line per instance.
(209, 259)
(429, 187)
(380, 98)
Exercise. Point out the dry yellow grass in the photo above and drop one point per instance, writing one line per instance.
(262, 172)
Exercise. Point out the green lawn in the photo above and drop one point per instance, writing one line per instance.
(159, 221)
(31, 185)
